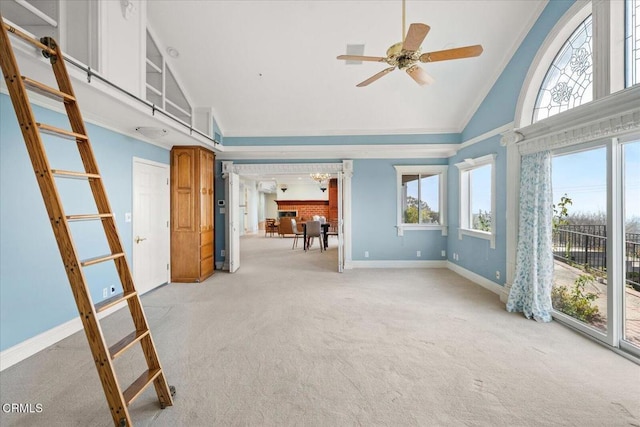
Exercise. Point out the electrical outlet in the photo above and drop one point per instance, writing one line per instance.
(113, 290)
(497, 275)
(222, 252)
(443, 253)
(105, 292)
(418, 253)
(366, 254)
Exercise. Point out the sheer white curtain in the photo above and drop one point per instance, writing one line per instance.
(531, 290)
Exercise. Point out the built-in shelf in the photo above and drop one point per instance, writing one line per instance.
(72, 25)
(162, 87)
(177, 107)
(154, 90)
(153, 66)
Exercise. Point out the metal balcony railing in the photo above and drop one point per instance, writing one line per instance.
(586, 245)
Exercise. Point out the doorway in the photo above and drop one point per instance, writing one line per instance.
(341, 171)
(151, 249)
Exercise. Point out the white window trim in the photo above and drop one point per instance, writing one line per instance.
(556, 38)
(442, 196)
(465, 229)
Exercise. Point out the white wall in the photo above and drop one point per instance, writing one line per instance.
(123, 44)
(304, 190)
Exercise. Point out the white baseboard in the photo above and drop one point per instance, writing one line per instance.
(398, 264)
(476, 278)
(31, 346)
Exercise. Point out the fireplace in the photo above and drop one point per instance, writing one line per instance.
(283, 213)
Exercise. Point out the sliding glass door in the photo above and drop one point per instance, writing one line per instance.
(631, 261)
(596, 240)
(579, 237)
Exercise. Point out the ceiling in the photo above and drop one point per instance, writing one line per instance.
(269, 68)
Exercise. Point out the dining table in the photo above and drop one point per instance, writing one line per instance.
(325, 235)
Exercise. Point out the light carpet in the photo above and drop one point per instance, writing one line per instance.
(289, 341)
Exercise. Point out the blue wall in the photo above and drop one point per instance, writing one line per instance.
(34, 291)
(497, 109)
(499, 106)
(374, 215)
(474, 253)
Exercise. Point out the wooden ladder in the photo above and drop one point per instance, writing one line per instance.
(103, 355)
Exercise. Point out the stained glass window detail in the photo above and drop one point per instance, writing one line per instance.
(632, 42)
(569, 80)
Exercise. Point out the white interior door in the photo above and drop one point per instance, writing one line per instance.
(235, 221)
(151, 250)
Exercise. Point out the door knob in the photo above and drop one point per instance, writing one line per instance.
(139, 239)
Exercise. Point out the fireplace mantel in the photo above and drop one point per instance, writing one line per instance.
(287, 203)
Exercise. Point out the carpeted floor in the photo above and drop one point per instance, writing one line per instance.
(289, 341)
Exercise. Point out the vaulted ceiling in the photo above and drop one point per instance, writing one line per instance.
(269, 68)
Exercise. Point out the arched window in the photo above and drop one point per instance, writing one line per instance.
(569, 80)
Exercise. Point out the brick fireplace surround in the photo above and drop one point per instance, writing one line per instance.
(306, 208)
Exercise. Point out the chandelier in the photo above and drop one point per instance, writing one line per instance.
(320, 177)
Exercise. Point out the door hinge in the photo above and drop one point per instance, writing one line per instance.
(167, 267)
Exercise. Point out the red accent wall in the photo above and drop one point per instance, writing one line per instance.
(306, 208)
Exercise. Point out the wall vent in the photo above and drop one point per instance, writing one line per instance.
(355, 49)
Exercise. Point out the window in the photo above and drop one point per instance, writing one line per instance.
(632, 42)
(568, 82)
(477, 198)
(421, 198)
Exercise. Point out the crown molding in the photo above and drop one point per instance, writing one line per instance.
(335, 152)
(613, 116)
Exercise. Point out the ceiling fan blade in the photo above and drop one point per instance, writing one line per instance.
(362, 58)
(457, 53)
(419, 75)
(415, 36)
(375, 77)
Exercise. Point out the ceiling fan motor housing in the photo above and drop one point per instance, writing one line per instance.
(396, 56)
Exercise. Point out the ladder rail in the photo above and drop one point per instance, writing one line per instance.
(117, 399)
(51, 198)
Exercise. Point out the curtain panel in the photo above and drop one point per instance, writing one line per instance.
(531, 290)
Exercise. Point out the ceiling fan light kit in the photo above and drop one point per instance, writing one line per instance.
(406, 55)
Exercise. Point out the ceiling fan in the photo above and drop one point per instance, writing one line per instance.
(406, 55)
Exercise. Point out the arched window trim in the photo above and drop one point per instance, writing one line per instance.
(556, 38)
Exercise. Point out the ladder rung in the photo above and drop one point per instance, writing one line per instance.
(116, 299)
(47, 91)
(99, 259)
(85, 217)
(140, 384)
(62, 133)
(71, 174)
(28, 38)
(125, 343)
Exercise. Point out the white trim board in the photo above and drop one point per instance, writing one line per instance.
(477, 279)
(398, 264)
(33, 345)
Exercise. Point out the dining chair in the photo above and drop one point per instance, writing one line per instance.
(296, 233)
(270, 226)
(314, 230)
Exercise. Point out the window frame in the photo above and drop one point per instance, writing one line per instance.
(464, 208)
(440, 170)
